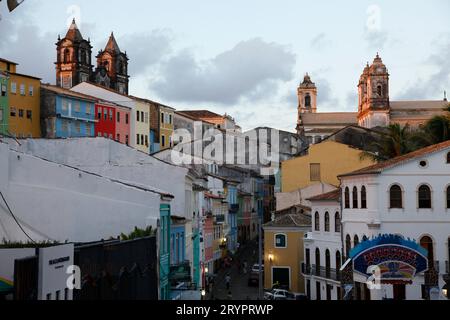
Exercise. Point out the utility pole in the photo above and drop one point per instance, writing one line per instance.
(260, 279)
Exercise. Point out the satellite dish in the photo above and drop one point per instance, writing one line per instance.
(12, 4)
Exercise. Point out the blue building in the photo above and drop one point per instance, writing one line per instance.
(232, 216)
(66, 114)
(177, 243)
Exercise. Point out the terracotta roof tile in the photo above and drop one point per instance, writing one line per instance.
(290, 220)
(67, 92)
(330, 118)
(332, 195)
(379, 167)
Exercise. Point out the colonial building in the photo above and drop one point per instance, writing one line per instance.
(323, 249)
(375, 109)
(408, 196)
(74, 62)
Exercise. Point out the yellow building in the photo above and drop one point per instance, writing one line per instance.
(323, 163)
(283, 251)
(166, 115)
(142, 125)
(24, 102)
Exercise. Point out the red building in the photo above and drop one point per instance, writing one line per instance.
(106, 120)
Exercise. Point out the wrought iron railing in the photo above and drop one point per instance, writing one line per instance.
(323, 272)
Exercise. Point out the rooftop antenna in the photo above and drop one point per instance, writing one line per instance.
(445, 95)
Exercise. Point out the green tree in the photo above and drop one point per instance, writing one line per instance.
(396, 142)
(138, 233)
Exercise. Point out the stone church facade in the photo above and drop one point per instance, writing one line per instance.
(74, 62)
(375, 109)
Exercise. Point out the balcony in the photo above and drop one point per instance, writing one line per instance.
(322, 272)
(220, 218)
(180, 272)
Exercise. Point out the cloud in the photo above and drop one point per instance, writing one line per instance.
(325, 96)
(320, 41)
(146, 49)
(375, 37)
(245, 70)
(26, 45)
(351, 101)
(432, 87)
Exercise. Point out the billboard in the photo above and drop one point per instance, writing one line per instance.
(398, 259)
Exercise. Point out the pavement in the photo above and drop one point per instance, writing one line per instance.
(239, 281)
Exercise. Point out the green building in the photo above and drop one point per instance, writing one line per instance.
(4, 102)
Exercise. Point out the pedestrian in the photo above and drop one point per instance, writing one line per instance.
(227, 281)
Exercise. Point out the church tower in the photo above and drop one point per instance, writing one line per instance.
(373, 95)
(307, 100)
(112, 67)
(73, 61)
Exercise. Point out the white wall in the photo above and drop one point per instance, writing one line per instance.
(111, 159)
(288, 199)
(54, 201)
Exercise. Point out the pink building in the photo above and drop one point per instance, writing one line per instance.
(123, 120)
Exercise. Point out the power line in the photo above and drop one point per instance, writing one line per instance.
(15, 219)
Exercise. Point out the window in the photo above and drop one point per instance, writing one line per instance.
(77, 127)
(316, 221)
(20, 113)
(338, 261)
(146, 117)
(317, 260)
(118, 137)
(22, 89)
(110, 114)
(307, 100)
(424, 195)
(327, 263)
(4, 90)
(355, 240)
(337, 222)
(395, 197)
(162, 117)
(379, 90)
(31, 91)
(363, 198)
(327, 222)
(13, 87)
(126, 139)
(99, 113)
(142, 139)
(29, 114)
(105, 114)
(137, 115)
(137, 139)
(118, 116)
(348, 245)
(126, 118)
(142, 116)
(66, 56)
(355, 198)
(448, 197)
(170, 119)
(88, 109)
(163, 141)
(12, 111)
(347, 198)
(314, 169)
(146, 140)
(427, 243)
(77, 107)
(64, 126)
(1, 115)
(280, 241)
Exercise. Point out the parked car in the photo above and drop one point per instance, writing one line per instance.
(255, 268)
(276, 294)
(296, 296)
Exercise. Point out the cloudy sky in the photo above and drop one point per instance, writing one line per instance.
(246, 57)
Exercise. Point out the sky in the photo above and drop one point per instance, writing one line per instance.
(246, 58)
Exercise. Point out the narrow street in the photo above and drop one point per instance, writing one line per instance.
(239, 281)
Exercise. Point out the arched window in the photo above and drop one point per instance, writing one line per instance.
(327, 222)
(427, 243)
(448, 197)
(355, 240)
(317, 261)
(395, 197)
(66, 55)
(355, 198)
(364, 238)
(424, 196)
(338, 260)
(316, 221)
(347, 198)
(363, 198)
(337, 222)
(348, 245)
(327, 263)
(307, 101)
(379, 90)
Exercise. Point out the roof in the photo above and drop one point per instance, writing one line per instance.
(329, 118)
(74, 33)
(66, 92)
(213, 196)
(300, 206)
(100, 87)
(418, 104)
(328, 196)
(150, 101)
(186, 115)
(24, 75)
(379, 167)
(200, 114)
(112, 44)
(290, 220)
(8, 61)
(226, 179)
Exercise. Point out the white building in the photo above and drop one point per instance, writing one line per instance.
(323, 249)
(55, 201)
(408, 196)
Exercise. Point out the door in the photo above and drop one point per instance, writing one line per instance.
(318, 289)
(281, 276)
(329, 288)
(399, 292)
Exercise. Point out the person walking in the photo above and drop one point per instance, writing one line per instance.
(227, 281)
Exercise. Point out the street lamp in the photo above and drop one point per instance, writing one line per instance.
(445, 291)
(270, 258)
(206, 270)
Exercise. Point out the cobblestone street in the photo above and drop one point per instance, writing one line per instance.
(239, 281)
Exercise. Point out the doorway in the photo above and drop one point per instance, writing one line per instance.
(399, 292)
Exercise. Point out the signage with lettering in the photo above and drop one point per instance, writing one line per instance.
(398, 260)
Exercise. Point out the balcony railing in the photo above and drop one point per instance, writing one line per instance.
(323, 272)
